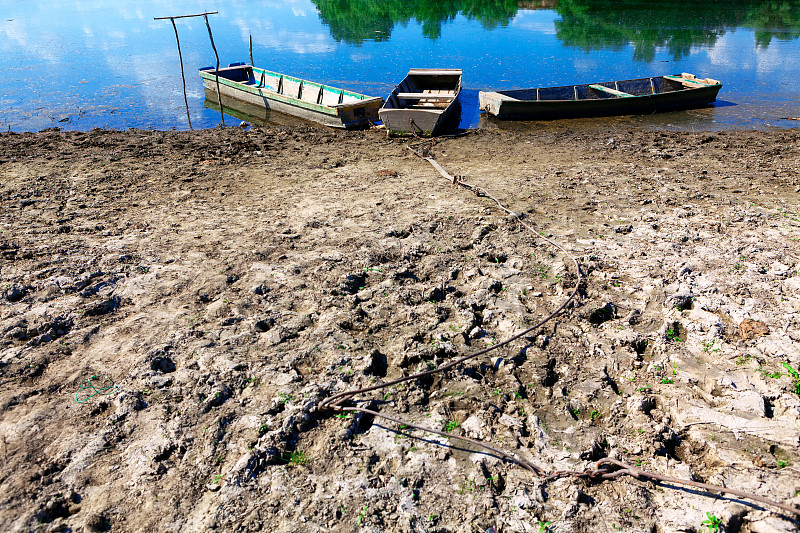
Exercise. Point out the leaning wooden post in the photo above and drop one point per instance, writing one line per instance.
(251, 52)
(216, 74)
(183, 76)
(180, 57)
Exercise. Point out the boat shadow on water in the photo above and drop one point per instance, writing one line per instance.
(254, 114)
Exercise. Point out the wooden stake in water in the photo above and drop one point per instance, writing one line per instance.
(180, 57)
(183, 76)
(216, 74)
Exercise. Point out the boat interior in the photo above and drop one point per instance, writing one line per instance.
(426, 89)
(306, 91)
(611, 89)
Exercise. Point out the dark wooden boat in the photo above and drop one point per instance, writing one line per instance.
(309, 100)
(422, 102)
(627, 97)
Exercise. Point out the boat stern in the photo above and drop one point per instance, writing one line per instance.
(492, 102)
(360, 113)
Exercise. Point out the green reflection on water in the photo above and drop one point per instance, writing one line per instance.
(356, 21)
(675, 26)
(586, 24)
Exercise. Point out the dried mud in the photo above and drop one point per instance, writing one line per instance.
(224, 282)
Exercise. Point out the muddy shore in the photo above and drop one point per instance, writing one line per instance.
(217, 285)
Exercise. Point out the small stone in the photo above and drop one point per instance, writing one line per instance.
(163, 364)
(680, 300)
(274, 336)
(97, 522)
(792, 285)
(260, 289)
(639, 403)
(751, 329)
(624, 229)
(364, 295)
(15, 293)
(779, 270)
(376, 364)
(633, 317)
(510, 421)
(473, 427)
(748, 402)
(264, 324)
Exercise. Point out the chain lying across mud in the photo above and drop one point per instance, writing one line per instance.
(232, 284)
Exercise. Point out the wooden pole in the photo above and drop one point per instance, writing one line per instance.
(183, 76)
(251, 52)
(216, 74)
(187, 16)
(180, 57)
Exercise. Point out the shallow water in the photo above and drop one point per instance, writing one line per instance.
(81, 65)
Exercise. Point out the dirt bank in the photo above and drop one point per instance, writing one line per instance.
(224, 282)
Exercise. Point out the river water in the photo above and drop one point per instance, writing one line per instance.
(102, 63)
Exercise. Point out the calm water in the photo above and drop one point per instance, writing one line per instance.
(103, 63)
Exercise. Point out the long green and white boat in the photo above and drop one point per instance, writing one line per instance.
(625, 97)
(331, 106)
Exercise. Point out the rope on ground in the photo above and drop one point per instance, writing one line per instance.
(606, 468)
(88, 389)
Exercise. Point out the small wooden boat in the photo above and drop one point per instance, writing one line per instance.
(627, 97)
(327, 105)
(422, 102)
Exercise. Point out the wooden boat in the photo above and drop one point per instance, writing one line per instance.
(327, 105)
(627, 97)
(422, 102)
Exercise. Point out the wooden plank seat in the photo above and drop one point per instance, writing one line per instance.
(425, 96)
(609, 90)
(689, 81)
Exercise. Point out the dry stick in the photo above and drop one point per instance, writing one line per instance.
(509, 456)
(627, 469)
(183, 76)
(216, 73)
(641, 474)
(335, 401)
(601, 471)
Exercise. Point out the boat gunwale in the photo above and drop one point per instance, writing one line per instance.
(432, 118)
(267, 92)
(701, 86)
(416, 72)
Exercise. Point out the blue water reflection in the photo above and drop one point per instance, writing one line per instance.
(80, 65)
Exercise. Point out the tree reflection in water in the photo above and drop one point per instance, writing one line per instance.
(586, 24)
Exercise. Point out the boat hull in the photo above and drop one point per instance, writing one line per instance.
(415, 121)
(600, 99)
(423, 103)
(312, 101)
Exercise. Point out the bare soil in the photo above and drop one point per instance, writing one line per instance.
(215, 286)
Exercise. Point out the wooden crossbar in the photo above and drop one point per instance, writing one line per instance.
(186, 16)
(609, 90)
(424, 96)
